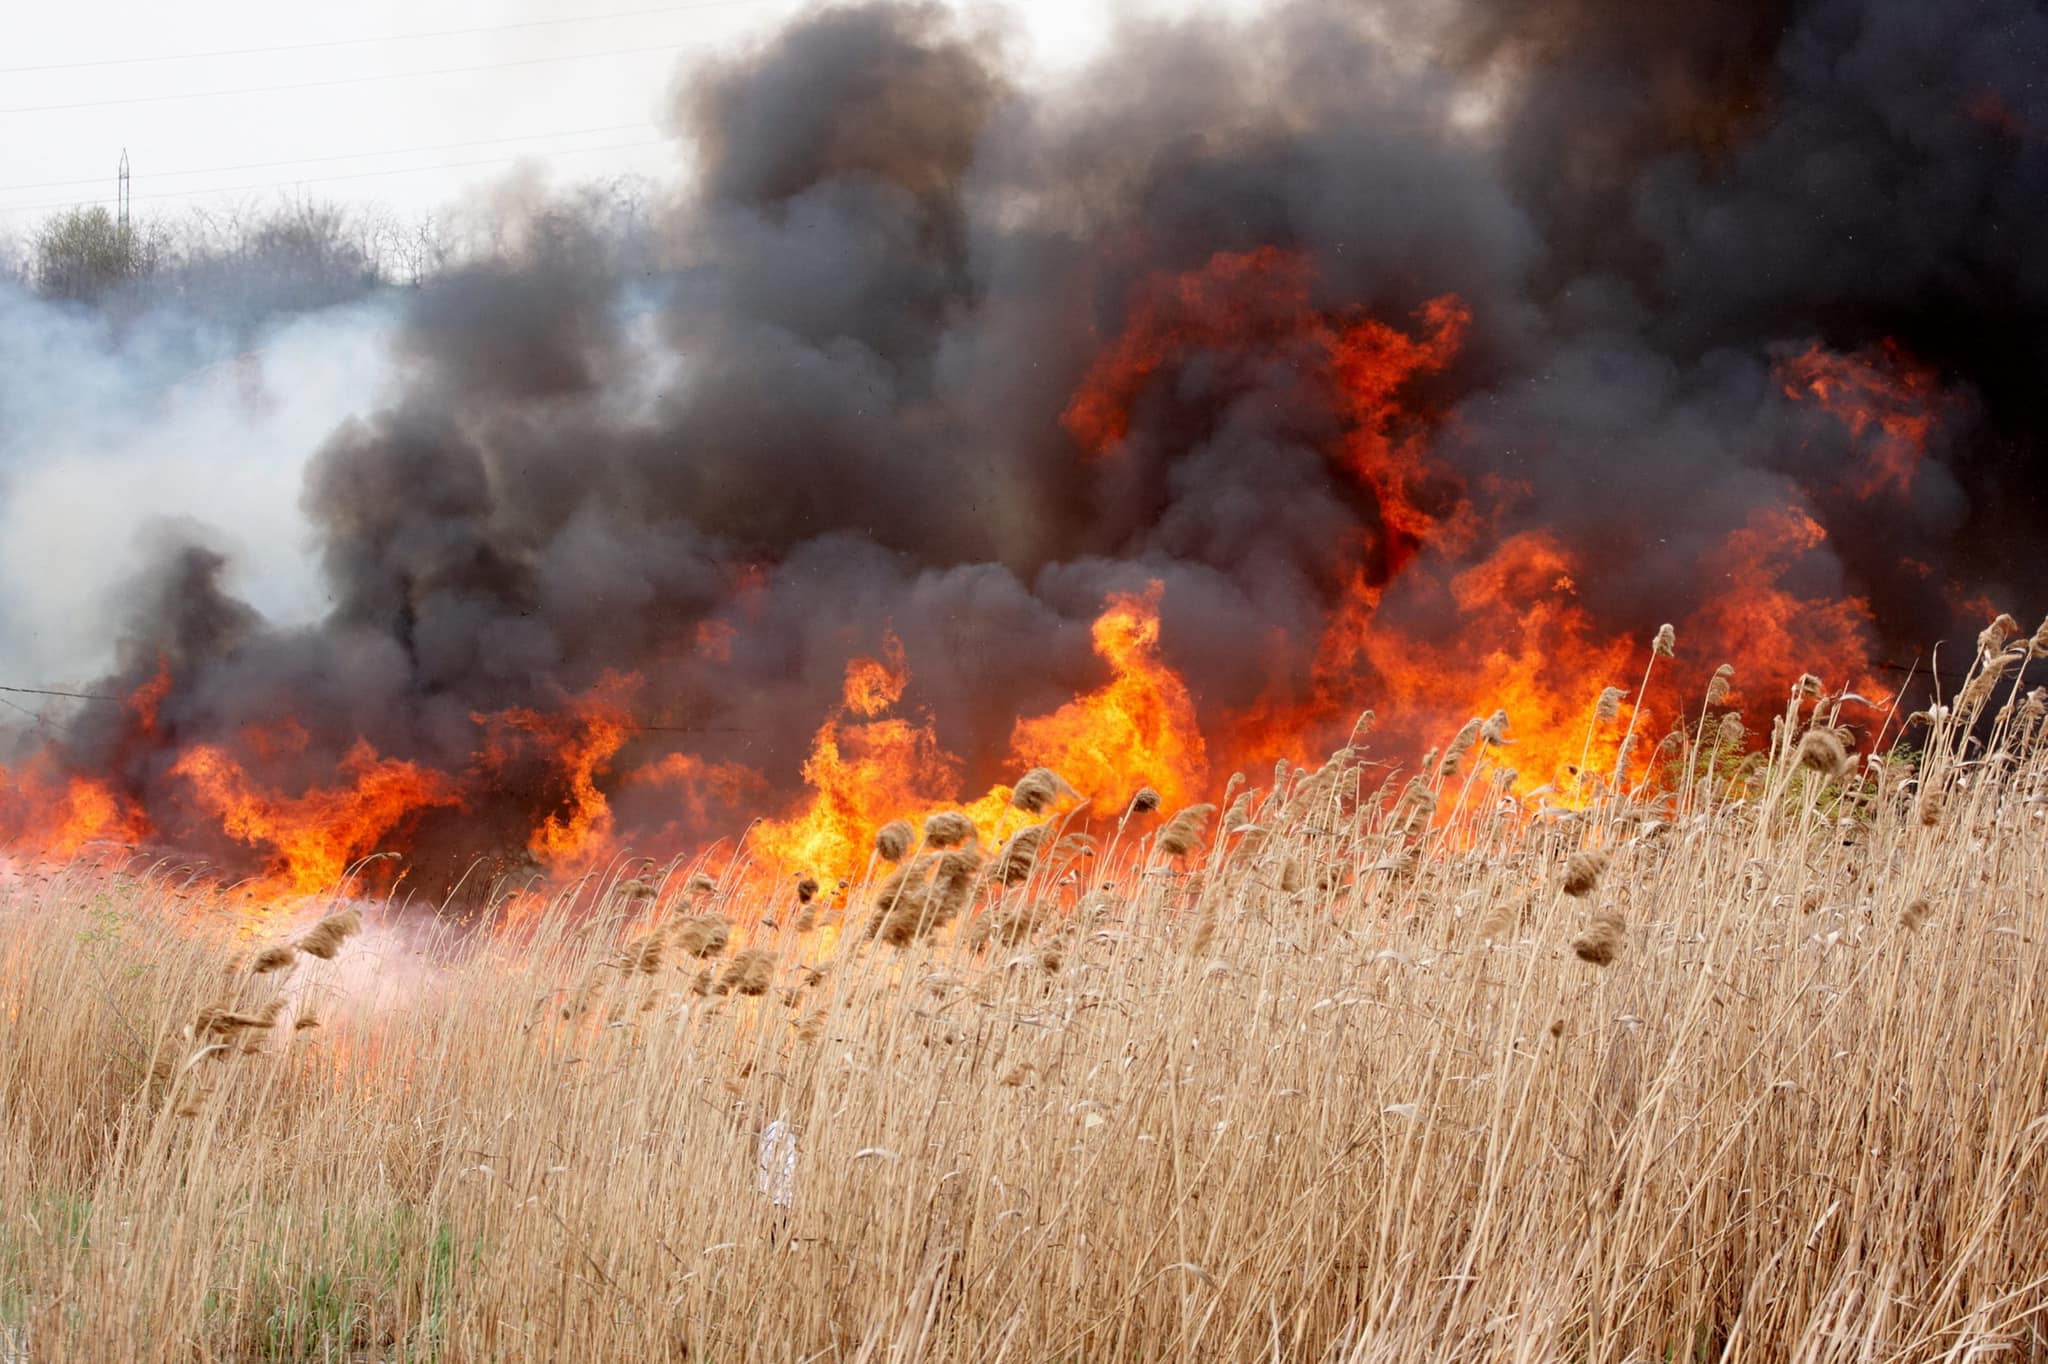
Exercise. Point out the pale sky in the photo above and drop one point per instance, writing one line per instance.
(207, 122)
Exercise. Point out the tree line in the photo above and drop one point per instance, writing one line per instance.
(291, 256)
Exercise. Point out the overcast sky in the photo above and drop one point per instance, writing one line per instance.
(208, 121)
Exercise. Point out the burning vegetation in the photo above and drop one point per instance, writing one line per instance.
(1021, 432)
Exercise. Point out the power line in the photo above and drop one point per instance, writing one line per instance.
(385, 38)
(350, 175)
(71, 695)
(338, 156)
(342, 80)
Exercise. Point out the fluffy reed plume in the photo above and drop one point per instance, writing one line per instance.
(1721, 684)
(1205, 931)
(646, 959)
(806, 889)
(326, 937)
(702, 935)
(1360, 727)
(947, 829)
(905, 880)
(1039, 788)
(1461, 744)
(635, 889)
(1184, 830)
(274, 959)
(218, 1022)
(953, 886)
(702, 886)
(2037, 647)
(1500, 921)
(1991, 639)
(2034, 706)
(1608, 707)
(1623, 755)
(1011, 923)
(1019, 855)
(750, 972)
(1823, 751)
(807, 918)
(1916, 912)
(1582, 872)
(1666, 643)
(304, 1022)
(1494, 733)
(1601, 940)
(1928, 808)
(910, 906)
(1145, 801)
(893, 840)
(1416, 805)
(1730, 732)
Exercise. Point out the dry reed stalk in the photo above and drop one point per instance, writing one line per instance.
(1415, 807)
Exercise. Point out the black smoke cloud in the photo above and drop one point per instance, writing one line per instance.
(829, 409)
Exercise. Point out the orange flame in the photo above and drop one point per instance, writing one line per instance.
(1137, 729)
(862, 774)
(310, 839)
(1882, 395)
(579, 743)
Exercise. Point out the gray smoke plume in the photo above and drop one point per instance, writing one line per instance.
(828, 408)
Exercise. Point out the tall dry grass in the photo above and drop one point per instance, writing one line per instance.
(1751, 1070)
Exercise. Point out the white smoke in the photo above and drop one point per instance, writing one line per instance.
(111, 430)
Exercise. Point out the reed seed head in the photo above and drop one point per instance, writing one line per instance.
(1582, 872)
(893, 840)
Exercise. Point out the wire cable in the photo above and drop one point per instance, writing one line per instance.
(341, 80)
(361, 42)
(324, 179)
(337, 156)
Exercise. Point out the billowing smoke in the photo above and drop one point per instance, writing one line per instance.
(837, 412)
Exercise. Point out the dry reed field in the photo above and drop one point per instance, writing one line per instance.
(1745, 1062)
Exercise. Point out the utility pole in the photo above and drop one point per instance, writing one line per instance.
(121, 195)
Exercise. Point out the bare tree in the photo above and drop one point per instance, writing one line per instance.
(83, 253)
